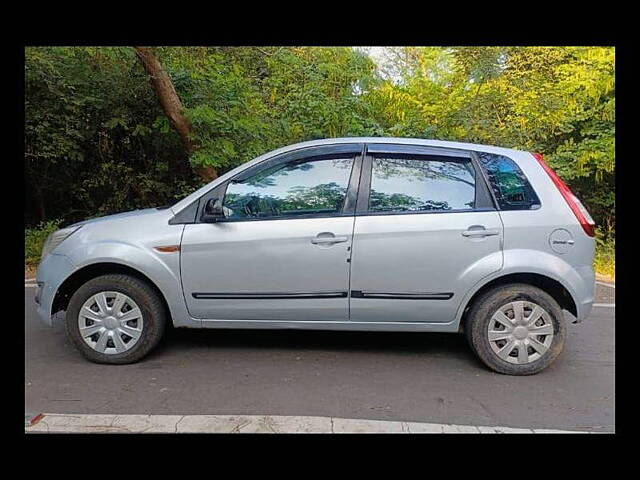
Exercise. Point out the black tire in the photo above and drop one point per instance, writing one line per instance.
(477, 324)
(151, 305)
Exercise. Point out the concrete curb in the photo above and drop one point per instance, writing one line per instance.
(605, 278)
(82, 423)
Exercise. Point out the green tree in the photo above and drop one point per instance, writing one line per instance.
(91, 143)
(97, 140)
(559, 101)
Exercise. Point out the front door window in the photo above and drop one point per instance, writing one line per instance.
(310, 187)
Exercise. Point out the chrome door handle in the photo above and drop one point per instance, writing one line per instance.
(481, 232)
(328, 240)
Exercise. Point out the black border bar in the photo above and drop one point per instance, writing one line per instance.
(307, 295)
(401, 295)
(266, 295)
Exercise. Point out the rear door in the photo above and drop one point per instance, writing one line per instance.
(426, 231)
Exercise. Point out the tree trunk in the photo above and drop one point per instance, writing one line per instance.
(171, 104)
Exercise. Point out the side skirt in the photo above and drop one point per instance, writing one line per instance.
(342, 326)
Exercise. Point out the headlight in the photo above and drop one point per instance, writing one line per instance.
(56, 238)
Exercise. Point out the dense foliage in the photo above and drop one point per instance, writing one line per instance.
(97, 141)
(558, 101)
(34, 239)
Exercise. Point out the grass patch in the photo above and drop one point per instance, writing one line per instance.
(34, 239)
(604, 261)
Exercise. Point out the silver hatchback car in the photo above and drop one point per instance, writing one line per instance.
(376, 234)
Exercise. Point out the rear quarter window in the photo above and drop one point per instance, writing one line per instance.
(509, 184)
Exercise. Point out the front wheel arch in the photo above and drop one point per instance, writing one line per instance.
(89, 272)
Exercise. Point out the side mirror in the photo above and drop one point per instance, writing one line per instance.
(213, 211)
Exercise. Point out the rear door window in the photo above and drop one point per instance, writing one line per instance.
(421, 185)
(510, 186)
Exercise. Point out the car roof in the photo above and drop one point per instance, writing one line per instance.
(341, 140)
(397, 141)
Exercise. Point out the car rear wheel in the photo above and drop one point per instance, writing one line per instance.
(516, 329)
(115, 319)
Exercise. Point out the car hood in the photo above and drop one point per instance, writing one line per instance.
(116, 216)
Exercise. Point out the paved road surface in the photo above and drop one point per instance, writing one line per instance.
(382, 376)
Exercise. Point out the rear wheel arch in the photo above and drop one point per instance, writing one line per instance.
(88, 272)
(547, 284)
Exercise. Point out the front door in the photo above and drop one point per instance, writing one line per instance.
(426, 231)
(282, 250)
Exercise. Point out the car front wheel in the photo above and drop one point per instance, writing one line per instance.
(115, 319)
(516, 329)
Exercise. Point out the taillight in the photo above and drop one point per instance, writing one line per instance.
(581, 213)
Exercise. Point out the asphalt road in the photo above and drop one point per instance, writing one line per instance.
(382, 376)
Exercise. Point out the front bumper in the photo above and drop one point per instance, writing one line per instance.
(53, 270)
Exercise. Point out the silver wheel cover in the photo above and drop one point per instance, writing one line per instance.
(110, 322)
(520, 332)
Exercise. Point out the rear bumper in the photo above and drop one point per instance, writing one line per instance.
(584, 310)
(52, 271)
(584, 293)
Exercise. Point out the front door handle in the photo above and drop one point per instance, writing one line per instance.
(327, 238)
(478, 231)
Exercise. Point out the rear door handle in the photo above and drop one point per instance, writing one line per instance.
(327, 238)
(480, 231)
